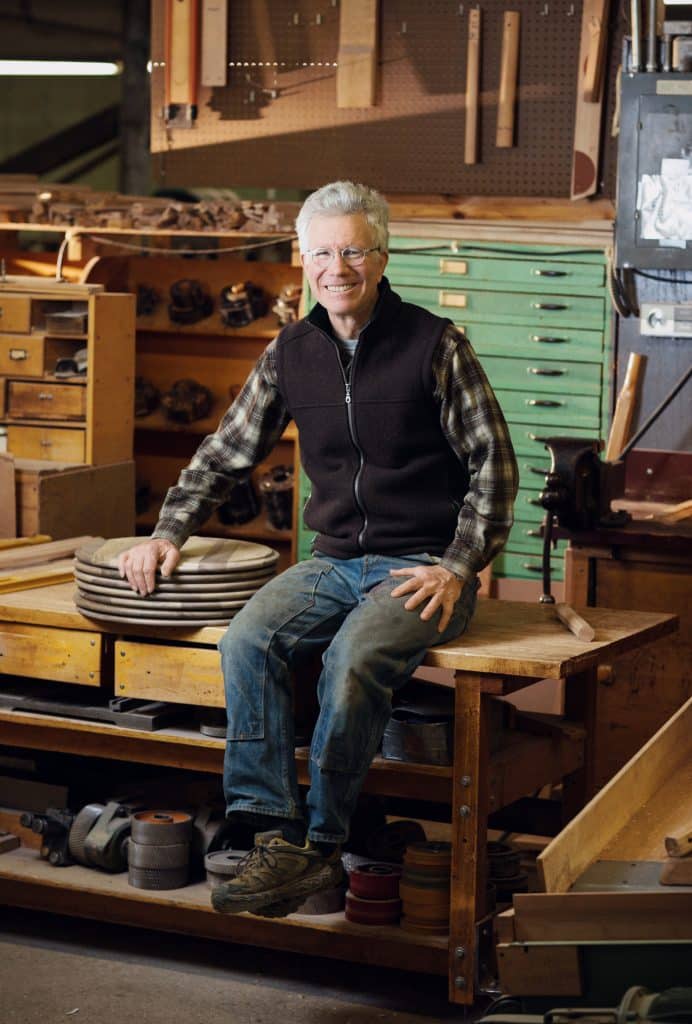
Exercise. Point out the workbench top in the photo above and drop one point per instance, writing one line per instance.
(506, 638)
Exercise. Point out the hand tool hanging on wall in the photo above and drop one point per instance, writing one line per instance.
(590, 88)
(213, 62)
(509, 63)
(182, 63)
(473, 64)
(357, 56)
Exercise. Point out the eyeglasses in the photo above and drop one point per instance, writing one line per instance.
(351, 255)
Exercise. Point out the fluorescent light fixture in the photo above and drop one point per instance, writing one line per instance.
(63, 68)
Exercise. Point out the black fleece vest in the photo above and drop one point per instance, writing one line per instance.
(384, 479)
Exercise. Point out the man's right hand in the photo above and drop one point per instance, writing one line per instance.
(139, 564)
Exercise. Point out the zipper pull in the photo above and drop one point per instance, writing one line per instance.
(348, 394)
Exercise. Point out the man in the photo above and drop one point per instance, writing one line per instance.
(413, 481)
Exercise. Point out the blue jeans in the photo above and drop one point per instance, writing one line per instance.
(374, 644)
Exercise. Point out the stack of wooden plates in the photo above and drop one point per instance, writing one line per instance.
(212, 581)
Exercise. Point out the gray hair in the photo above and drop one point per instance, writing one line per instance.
(341, 198)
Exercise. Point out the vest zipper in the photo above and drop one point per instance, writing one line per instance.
(352, 434)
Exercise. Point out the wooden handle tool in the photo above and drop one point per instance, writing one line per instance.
(590, 79)
(509, 63)
(473, 64)
(624, 409)
(575, 623)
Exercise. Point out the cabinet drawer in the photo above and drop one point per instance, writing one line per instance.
(525, 538)
(30, 400)
(525, 566)
(570, 343)
(509, 307)
(529, 441)
(177, 673)
(63, 655)
(443, 267)
(560, 411)
(528, 507)
(15, 313)
(31, 355)
(57, 444)
(543, 375)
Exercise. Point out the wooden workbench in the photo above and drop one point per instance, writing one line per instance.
(508, 646)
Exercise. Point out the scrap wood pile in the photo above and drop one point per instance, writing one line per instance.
(26, 200)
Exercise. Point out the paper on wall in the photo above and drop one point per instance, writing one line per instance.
(664, 202)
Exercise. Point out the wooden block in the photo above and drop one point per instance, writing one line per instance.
(357, 56)
(38, 554)
(60, 655)
(539, 970)
(575, 623)
(187, 675)
(8, 514)
(96, 500)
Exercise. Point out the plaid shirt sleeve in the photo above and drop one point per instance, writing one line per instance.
(246, 434)
(476, 430)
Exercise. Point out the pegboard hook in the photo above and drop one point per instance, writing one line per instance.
(546, 11)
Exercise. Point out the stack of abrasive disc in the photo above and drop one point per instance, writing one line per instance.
(425, 887)
(212, 581)
(158, 851)
(373, 895)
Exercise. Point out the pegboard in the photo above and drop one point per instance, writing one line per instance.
(276, 123)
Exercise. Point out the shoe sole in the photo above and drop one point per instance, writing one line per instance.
(292, 894)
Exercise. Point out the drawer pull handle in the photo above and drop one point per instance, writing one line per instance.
(18, 354)
(536, 437)
(452, 299)
(544, 339)
(532, 567)
(453, 267)
(532, 533)
(536, 469)
(541, 371)
(553, 306)
(45, 396)
(551, 273)
(534, 501)
(45, 443)
(544, 403)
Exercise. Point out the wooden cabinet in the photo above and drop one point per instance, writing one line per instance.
(216, 356)
(66, 372)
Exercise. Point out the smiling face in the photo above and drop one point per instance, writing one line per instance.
(349, 294)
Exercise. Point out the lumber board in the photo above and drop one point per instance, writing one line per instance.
(39, 554)
(509, 64)
(603, 916)
(473, 63)
(357, 55)
(549, 970)
(68, 656)
(605, 818)
(589, 101)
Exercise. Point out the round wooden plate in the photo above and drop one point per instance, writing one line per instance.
(199, 554)
(149, 605)
(238, 597)
(154, 617)
(191, 582)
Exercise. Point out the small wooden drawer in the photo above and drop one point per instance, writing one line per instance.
(57, 444)
(31, 400)
(177, 673)
(15, 313)
(32, 355)
(3, 396)
(61, 655)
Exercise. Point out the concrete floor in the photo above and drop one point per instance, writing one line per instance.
(57, 970)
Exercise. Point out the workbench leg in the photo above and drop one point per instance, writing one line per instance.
(581, 693)
(469, 829)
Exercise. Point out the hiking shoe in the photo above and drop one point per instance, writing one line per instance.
(277, 876)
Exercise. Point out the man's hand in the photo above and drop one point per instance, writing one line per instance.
(440, 587)
(139, 564)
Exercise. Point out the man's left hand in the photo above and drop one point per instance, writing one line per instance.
(434, 584)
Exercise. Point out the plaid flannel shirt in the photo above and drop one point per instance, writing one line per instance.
(470, 417)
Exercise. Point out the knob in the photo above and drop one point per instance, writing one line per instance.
(656, 318)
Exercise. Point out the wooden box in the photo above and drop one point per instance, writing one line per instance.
(68, 501)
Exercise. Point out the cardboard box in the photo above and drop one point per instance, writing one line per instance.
(69, 501)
